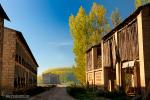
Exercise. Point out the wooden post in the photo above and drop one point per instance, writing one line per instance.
(141, 51)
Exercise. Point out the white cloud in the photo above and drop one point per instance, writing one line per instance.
(60, 44)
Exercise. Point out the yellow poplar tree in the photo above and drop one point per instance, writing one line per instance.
(98, 24)
(116, 18)
(78, 31)
(86, 31)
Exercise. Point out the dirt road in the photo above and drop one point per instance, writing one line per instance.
(57, 93)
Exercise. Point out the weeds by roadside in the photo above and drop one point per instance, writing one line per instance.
(81, 93)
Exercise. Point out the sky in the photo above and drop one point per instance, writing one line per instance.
(44, 24)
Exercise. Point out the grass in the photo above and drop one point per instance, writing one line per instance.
(80, 93)
(113, 95)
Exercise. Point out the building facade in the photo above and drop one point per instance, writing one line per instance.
(125, 54)
(49, 78)
(18, 67)
(94, 67)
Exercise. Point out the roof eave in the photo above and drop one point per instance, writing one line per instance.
(4, 15)
(135, 13)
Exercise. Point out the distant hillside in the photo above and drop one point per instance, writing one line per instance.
(66, 74)
(59, 70)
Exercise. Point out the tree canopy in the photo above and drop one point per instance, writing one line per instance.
(79, 34)
(116, 18)
(86, 30)
(141, 2)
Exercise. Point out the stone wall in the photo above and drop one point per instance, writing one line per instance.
(25, 68)
(1, 45)
(9, 46)
(19, 71)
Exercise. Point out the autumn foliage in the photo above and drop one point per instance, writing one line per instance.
(86, 30)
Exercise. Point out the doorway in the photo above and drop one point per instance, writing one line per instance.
(131, 77)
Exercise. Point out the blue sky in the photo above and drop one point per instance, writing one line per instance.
(44, 24)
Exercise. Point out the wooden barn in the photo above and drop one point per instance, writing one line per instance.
(93, 66)
(125, 54)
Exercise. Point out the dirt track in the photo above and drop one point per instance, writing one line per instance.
(57, 93)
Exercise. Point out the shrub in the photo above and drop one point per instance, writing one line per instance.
(33, 91)
(80, 93)
(112, 95)
(74, 91)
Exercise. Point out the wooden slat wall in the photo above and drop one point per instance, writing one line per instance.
(89, 61)
(128, 43)
(110, 52)
(106, 52)
(127, 48)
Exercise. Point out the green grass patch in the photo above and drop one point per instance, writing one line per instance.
(81, 93)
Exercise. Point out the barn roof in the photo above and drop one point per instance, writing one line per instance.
(127, 20)
(97, 45)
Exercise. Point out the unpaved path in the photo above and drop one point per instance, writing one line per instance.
(57, 93)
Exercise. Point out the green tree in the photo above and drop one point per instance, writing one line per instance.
(39, 79)
(146, 1)
(78, 31)
(138, 3)
(97, 23)
(86, 30)
(141, 2)
(115, 18)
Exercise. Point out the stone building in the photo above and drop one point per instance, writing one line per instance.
(125, 54)
(49, 78)
(18, 67)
